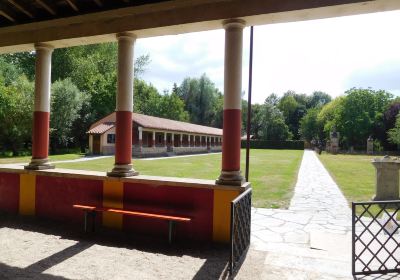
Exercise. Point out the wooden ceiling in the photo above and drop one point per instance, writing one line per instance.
(15, 12)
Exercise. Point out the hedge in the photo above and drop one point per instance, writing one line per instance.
(288, 145)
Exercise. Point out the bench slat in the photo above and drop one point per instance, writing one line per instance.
(133, 213)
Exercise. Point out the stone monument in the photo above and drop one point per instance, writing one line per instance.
(387, 178)
(334, 138)
(370, 145)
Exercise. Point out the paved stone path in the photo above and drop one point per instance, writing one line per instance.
(318, 218)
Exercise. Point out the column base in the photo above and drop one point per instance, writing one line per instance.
(122, 170)
(231, 178)
(39, 164)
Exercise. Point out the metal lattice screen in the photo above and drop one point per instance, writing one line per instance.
(375, 237)
(240, 229)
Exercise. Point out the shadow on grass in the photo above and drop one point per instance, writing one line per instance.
(215, 265)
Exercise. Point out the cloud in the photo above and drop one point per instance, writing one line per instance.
(382, 76)
(330, 55)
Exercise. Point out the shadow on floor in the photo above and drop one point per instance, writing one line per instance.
(390, 276)
(215, 265)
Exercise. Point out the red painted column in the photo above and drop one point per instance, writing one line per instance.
(41, 114)
(123, 125)
(230, 173)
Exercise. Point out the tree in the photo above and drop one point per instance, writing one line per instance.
(292, 111)
(394, 133)
(318, 99)
(361, 115)
(16, 104)
(66, 102)
(310, 128)
(200, 97)
(328, 116)
(274, 126)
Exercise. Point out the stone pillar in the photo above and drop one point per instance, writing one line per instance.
(172, 140)
(153, 139)
(180, 140)
(165, 139)
(370, 145)
(140, 129)
(123, 124)
(387, 178)
(232, 117)
(41, 114)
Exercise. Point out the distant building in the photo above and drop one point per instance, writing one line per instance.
(153, 136)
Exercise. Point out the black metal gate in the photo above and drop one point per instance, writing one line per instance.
(240, 229)
(375, 237)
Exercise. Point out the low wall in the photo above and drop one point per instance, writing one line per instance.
(216, 149)
(149, 151)
(50, 194)
(189, 150)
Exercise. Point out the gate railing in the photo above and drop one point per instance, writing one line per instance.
(240, 229)
(375, 237)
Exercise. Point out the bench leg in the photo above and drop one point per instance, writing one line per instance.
(86, 220)
(93, 221)
(171, 226)
(93, 218)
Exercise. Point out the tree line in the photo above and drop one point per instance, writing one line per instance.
(83, 90)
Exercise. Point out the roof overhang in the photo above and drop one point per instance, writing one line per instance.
(175, 17)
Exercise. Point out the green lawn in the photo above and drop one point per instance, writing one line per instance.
(26, 159)
(273, 173)
(354, 174)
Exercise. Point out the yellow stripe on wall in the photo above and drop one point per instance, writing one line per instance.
(27, 194)
(113, 194)
(222, 214)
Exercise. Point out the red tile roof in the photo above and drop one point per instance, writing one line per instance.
(101, 128)
(156, 123)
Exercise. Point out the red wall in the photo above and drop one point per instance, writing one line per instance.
(9, 192)
(196, 203)
(56, 195)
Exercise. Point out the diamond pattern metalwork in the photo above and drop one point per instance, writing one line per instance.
(375, 237)
(240, 229)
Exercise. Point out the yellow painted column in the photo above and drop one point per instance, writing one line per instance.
(27, 194)
(222, 214)
(113, 195)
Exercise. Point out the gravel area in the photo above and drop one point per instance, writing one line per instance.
(33, 249)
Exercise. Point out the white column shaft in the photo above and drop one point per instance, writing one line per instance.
(126, 43)
(43, 77)
(233, 63)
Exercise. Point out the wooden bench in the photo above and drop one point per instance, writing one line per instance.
(91, 211)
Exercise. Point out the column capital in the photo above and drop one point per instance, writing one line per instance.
(44, 46)
(234, 23)
(126, 36)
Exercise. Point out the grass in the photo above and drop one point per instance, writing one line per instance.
(26, 159)
(354, 174)
(273, 173)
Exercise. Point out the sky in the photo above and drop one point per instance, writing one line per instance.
(330, 55)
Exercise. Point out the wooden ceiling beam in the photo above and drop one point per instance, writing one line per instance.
(46, 7)
(72, 5)
(7, 16)
(98, 3)
(20, 8)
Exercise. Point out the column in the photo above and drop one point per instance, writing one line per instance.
(180, 140)
(41, 114)
(123, 124)
(140, 129)
(153, 139)
(230, 173)
(172, 140)
(165, 139)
